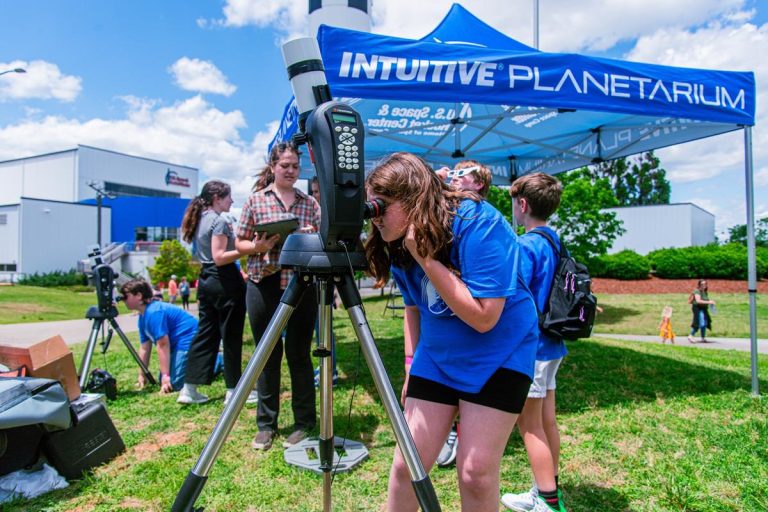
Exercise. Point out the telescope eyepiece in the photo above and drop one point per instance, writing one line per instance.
(373, 209)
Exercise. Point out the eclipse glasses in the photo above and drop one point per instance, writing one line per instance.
(458, 173)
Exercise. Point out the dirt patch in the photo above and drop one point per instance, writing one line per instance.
(24, 308)
(147, 449)
(656, 286)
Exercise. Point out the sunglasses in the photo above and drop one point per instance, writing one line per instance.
(458, 173)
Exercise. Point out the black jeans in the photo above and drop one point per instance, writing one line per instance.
(262, 299)
(221, 306)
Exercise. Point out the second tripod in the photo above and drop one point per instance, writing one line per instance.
(100, 318)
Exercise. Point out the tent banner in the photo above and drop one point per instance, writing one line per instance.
(363, 65)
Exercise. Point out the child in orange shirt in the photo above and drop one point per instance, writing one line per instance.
(665, 327)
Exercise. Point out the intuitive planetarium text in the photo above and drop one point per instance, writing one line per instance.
(540, 79)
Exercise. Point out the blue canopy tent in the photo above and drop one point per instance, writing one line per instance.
(468, 91)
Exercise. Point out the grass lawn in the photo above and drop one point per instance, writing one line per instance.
(641, 313)
(24, 304)
(645, 427)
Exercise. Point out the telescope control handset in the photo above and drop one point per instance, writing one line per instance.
(335, 136)
(334, 133)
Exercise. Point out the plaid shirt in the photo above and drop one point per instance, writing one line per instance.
(265, 206)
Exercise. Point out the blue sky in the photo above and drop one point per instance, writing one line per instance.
(202, 83)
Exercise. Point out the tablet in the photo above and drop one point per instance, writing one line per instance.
(282, 227)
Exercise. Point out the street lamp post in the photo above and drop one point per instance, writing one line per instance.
(100, 195)
(14, 70)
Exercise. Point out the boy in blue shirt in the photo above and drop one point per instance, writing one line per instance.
(162, 324)
(536, 197)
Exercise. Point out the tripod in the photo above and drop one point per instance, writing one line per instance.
(305, 253)
(99, 317)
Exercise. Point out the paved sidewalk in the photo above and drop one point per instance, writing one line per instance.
(78, 331)
(72, 331)
(742, 344)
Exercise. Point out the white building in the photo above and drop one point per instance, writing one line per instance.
(48, 218)
(662, 226)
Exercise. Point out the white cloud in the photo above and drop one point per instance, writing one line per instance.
(42, 80)
(717, 45)
(190, 132)
(289, 17)
(200, 76)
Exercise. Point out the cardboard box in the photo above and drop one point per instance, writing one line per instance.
(50, 359)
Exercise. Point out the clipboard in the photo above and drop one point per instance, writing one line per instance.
(282, 227)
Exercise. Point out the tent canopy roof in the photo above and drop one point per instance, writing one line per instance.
(468, 91)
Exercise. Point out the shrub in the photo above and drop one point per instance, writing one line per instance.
(712, 261)
(55, 278)
(625, 265)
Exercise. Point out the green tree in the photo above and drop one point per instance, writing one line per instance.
(173, 259)
(500, 199)
(586, 229)
(738, 233)
(636, 181)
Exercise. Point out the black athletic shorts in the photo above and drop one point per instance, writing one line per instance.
(506, 391)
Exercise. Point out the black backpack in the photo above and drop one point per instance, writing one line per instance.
(571, 307)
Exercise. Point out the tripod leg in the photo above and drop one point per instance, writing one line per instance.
(85, 364)
(325, 443)
(422, 485)
(132, 350)
(193, 484)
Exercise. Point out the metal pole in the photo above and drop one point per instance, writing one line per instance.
(98, 218)
(536, 24)
(751, 257)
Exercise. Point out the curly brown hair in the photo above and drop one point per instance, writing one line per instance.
(429, 205)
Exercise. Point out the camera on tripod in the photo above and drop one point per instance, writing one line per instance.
(103, 281)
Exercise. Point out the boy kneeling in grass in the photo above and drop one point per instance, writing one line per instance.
(165, 325)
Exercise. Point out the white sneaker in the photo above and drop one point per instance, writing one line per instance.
(543, 506)
(253, 397)
(447, 454)
(523, 502)
(187, 396)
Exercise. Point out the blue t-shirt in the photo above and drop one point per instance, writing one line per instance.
(161, 318)
(538, 264)
(451, 352)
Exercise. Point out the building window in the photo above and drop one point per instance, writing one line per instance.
(3, 219)
(156, 234)
(7, 267)
(132, 191)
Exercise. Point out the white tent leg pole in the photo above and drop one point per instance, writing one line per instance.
(751, 257)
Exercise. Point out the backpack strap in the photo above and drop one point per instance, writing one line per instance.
(551, 241)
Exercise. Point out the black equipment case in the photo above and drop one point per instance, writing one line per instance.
(93, 441)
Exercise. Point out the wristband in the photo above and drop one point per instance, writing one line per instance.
(408, 359)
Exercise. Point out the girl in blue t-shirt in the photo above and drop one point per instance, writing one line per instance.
(470, 327)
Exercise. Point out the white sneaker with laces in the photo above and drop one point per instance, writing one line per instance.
(190, 396)
(448, 454)
(253, 397)
(523, 502)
